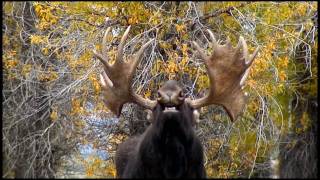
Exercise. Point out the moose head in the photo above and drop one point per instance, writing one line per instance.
(169, 147)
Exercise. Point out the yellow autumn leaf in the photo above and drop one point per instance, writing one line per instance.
(10, 64)
(54, 115)
(45, 51)
(147, 94)
(89, 171)
(26, 70)
(110, 170)
(180, 28)
(282, 75)
(172, 67)
(36, 39)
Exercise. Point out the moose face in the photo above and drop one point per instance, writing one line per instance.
(170, 95)
(174, 117)
(171, 102)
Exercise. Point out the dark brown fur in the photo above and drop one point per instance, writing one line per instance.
(168, 148)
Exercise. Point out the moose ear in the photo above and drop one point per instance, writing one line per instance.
(196, 116)
(149, 115)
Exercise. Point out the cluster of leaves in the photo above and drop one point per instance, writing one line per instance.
(96, 167)
(60, 57)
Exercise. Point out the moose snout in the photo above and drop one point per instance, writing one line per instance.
(169, 99)
(165, 98)
(169, 94)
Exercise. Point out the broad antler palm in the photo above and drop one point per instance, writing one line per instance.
(227, 68)
(116, 79)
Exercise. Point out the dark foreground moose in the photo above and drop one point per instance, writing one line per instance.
(169, 147)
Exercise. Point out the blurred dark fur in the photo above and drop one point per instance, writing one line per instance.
(168, 148)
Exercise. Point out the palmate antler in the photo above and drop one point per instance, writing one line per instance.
(227, 68)
(116, 79)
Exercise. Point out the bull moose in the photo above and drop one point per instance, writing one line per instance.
(169, 147)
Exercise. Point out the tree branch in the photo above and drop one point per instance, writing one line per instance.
(221, 11)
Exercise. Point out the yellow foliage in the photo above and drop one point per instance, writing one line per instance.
(80, 124)
(9, 64)
(164, 45)
(283, 62)
(47, 76)
(157, 67)
(155, 19)
(45, 51)
(147, 94)
(89, 171)
(100, 106)
(133, 20)
(44, 12)
(203, 81)
(95, 83)
(97, 162)
(96, 167)
(111, 170)
(54, 115)
(214, 145)
(26, 70)
(116, 138)
(172, 67)
(301, 9)
(68, 30)
(184, 49)
(282, 75)
(76, 107)
(36, 39)
(253, 106)
(181, 28)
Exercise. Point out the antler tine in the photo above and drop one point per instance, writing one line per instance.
(104, 79)
(213, 39)
(248, 64)
(244, 77)
(104, 43)
(102, 59)
(244, 49)
(121, 45)
(137, 56)
(200, 50)
(248, 58)
(253, 56)
(238, 47)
